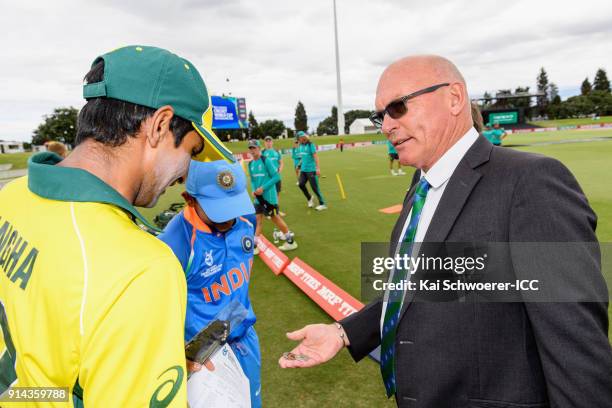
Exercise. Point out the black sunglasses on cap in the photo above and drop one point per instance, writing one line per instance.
(398, 108)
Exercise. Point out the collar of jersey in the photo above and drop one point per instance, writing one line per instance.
(71, 184)
(194, 219)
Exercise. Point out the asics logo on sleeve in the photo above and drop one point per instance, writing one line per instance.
(176, 383)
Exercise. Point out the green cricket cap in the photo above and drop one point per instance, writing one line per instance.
(254, 143)
(154, 77)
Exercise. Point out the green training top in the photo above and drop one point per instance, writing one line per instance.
(263, 174)
(307, 161)
(295, 155)
(494, 135)
(272, 155)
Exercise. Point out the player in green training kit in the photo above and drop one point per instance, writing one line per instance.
(276, 158)
(494, 135)
(264, 177)
(498, 134)
(295, 156)
(309, 170)
(393, 156)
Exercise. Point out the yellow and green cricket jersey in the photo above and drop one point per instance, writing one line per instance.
(89, 301)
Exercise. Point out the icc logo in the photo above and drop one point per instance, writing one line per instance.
(208, 258)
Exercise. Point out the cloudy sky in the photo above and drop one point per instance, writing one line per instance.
(276, 52)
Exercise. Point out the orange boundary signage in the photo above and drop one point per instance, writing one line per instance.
(333, 300)
(271, 255)
(330, 297)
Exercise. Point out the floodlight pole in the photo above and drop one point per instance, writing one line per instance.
(338, 82)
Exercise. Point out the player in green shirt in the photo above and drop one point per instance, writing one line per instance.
(487, 132)
(264, 176)
(309, 170)
(393, 156)
(276, 158)
(494, 135)
(499, 133)
(295, 156)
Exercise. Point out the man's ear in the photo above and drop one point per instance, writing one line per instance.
(188, 199)
(458, 97)
(159, 125)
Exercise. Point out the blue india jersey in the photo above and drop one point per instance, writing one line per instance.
(217, 268)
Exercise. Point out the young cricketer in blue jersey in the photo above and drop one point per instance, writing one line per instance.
(214, 243)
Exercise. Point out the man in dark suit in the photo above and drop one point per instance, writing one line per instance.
(530, 353)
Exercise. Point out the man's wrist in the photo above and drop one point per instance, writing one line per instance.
(342, 334)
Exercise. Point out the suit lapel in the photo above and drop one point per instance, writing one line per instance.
(459, 188)
(455, 196)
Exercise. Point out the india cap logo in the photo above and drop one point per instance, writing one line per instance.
(225, 180)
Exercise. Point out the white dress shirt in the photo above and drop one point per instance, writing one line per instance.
(437, 176)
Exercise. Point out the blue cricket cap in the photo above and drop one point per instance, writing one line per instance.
(220, 188)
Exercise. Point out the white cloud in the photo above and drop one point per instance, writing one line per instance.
(278, 52)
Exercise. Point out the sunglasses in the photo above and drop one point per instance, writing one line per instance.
(398, 108)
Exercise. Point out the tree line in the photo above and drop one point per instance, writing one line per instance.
(595, 99)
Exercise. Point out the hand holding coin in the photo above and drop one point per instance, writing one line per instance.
(318, 343)
(298, 357)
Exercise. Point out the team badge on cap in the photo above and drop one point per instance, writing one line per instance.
(225, 179)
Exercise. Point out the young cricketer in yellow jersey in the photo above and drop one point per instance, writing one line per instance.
(89, 301)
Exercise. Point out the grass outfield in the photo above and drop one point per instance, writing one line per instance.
(330, 242)
(572, 121)
(18, 160)
(557, 136)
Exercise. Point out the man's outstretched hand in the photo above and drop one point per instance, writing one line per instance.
(320, 343)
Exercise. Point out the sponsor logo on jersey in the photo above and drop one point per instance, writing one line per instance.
(176, 381)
